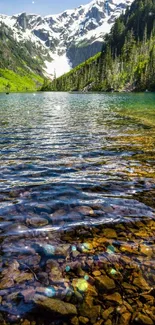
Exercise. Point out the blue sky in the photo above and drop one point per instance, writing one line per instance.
(43, 7)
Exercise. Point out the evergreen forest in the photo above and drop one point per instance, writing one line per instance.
(127, 60)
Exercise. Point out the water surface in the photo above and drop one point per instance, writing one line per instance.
(77, 185)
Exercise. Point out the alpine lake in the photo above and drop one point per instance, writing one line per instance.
(77, 209)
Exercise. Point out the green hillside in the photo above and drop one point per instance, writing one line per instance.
(21, 81)
(20, 63)
(127, 61)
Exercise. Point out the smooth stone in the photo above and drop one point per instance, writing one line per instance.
(58, 213)
(83, 320)
(146, 250)
(36, 222)
(55, 306)
(84, 210)
(104, 282)
(109, 233)
(73, 215)
(96, 273)
(75, 321)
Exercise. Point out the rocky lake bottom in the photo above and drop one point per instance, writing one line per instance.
(77, 209)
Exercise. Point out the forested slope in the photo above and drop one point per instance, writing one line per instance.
(127, 60)
(20, 63)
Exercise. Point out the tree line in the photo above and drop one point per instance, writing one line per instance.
(127, 60)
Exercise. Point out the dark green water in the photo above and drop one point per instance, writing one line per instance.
(77, 185)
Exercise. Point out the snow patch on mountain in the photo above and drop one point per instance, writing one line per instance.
(58, 66)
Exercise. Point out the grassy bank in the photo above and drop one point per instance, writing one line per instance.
(19, 81)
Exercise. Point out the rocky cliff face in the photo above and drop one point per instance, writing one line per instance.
(72, 36)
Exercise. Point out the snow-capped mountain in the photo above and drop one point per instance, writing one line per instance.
(66, 39)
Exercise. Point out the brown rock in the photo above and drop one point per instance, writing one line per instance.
(84, 210)
(56, 274)
(58, 213)
(6, 283)
(75, 254)
(104, 282)
(75, 321)
(92, 312)
(83, 320)
(141, 283)
(23, 276)
(148, 298)
(100, 322)
(107, 312)
(128, 286)
(26, 322)
(145, 319)
(116, 297)
(36, 222)
(96, 273)
(146, 250)
(110, 233)
(125, 318)
(55, 306)
(108, 322)
(128, 306)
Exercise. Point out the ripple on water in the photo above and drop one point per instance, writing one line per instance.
(77, 222)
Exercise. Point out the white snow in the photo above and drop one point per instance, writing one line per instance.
(58, 66)
(64, 29)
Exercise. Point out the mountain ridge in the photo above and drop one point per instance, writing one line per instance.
(127, 60)
(64, 40)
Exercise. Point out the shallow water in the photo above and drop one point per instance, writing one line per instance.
(77, 222)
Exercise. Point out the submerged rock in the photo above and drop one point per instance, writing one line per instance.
(141, 283)
(110, 233)
(84, 210)
(107, 312)
(83, 320)
(104, 282)
(116, 297)
(90, 311)
(55, 306)
(144, 319)
(125, 318)
(36, 222)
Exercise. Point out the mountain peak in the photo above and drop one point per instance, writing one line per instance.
(73, 35)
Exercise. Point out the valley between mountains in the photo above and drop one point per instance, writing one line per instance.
(33, 47)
